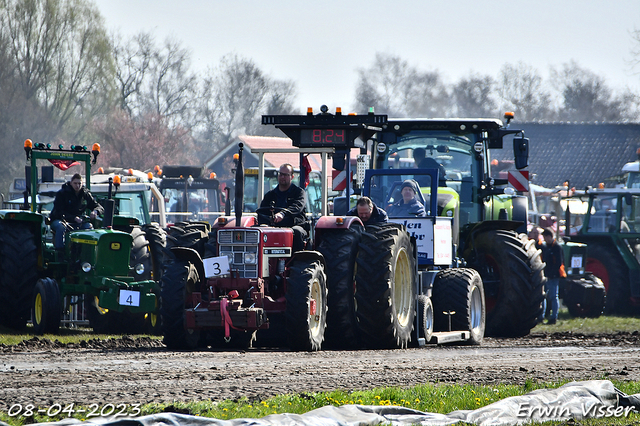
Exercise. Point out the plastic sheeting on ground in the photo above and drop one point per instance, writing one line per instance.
(577, 400)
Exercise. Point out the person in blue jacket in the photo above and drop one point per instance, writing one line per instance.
(409, 204)
(368, 212)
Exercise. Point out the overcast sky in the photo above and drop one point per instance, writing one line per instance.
(320, 45)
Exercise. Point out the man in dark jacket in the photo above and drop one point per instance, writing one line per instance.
(290, 205)
(368, 212)
(71, 203)
(409, 204)
(554, 259)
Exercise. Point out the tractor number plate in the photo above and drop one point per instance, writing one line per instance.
(129, 298)
(576, 262)
(216, 266)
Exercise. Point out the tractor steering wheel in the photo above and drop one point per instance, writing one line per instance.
(265, 214)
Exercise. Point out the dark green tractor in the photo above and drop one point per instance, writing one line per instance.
(609, 223)
(101, 271)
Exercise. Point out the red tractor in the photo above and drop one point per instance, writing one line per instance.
(250, 280)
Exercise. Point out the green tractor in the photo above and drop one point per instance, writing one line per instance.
(101, 271)
(608, 221)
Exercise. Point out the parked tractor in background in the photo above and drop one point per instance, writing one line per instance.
(101, 270)
(581, 291)
(608, 221)
(188, 194)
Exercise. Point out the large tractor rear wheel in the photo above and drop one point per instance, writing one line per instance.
(179, 280)
(604, 263)
(306, 312)
(18, 273)
(340, 249)
(512, 273)
(47, 309)
(459, 293)
(385, 286)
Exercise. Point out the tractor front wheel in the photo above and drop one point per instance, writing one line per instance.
(47, 309)
(179, 280)
(585, 298)
(459, 293)
(306, 312)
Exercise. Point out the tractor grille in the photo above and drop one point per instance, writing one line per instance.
(241, 248)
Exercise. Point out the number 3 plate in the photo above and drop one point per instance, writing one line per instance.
(216, 266)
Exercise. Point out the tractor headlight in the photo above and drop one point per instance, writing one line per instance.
(86, 267)
(250, 258)
(229, 256)
(139, 269)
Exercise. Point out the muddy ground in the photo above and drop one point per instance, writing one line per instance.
(128, 371)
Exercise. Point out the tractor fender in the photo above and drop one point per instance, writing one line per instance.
(310, 255)
(334, 222)
(190, 255)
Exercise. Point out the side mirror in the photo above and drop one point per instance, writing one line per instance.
(521, 152)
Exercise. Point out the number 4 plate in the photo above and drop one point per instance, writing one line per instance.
(216, 266)
(129, 298)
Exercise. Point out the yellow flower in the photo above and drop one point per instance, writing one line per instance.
(377, 396)
(417, 400)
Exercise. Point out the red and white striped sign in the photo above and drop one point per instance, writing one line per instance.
(339, 179)
(519, 179)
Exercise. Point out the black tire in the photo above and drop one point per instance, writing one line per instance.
(585, 298)
(306, 287)
(340, 250)
(179, 280)
(425, 318)
(185, 236)
(460, 290)
(157, 239)
(47, 307)
(512, 273)
(18, 273)
(385, 286)
(604, 262)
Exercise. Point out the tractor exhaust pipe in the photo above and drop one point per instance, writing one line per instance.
(239, 201)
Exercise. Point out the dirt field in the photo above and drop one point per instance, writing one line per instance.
(131, 371)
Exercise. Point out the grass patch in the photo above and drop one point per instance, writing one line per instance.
(64, 335)
(434, 398)
(600, 325)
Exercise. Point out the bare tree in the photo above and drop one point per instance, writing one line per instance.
(586, 96)
(396, 88)
(473, 96)
(133, 60)
(235, 95)
(142, 142)
(61, 56)
(522, 90)
(173, 88)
